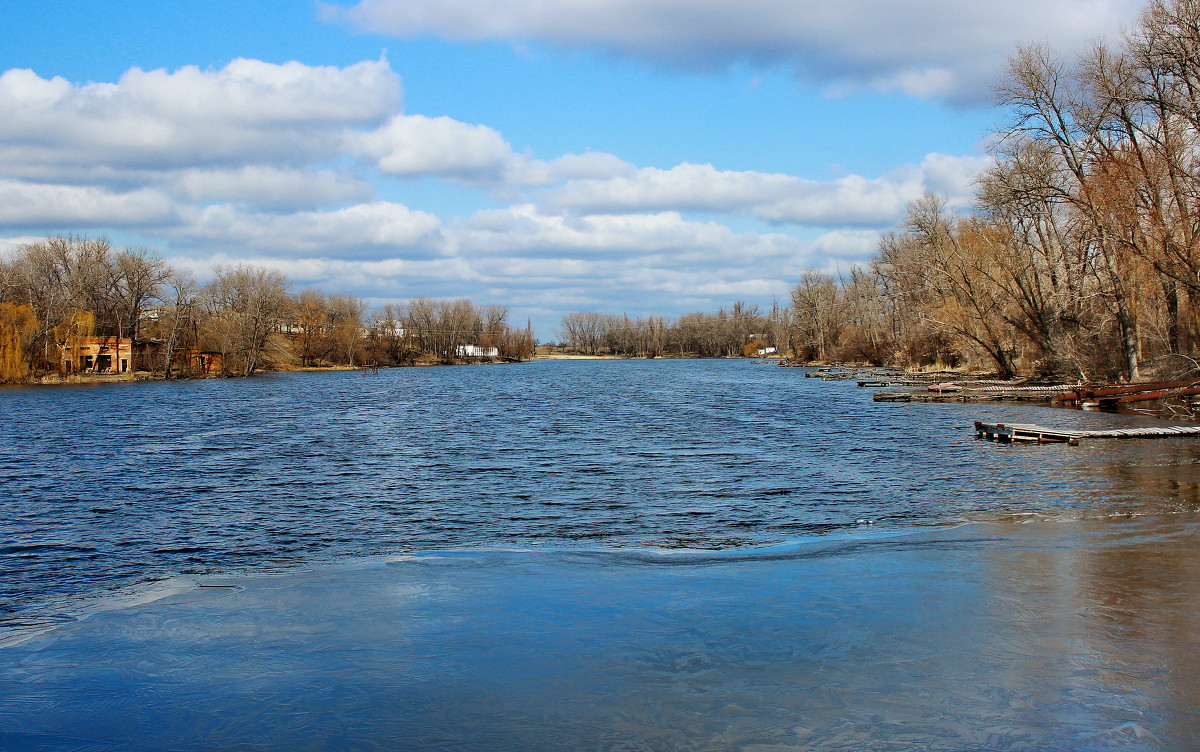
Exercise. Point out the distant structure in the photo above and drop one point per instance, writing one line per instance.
(98, 355)
(476, 351)
(114, 355)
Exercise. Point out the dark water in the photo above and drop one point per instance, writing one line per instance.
(617, 555)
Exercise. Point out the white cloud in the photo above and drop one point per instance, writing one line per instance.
(254, 133)
(724, 291)
(418, 145)
(247, 112)
(385, 280)
(850, 200)
(375, 230)
(923, 48)
(846, 245)
(415, 145)
(685, 187)
(278, 164)
(952, 177)
(545, 266)
(523, 229)
(525, 171)
(10, 244)
(36, 205)
(267, 186)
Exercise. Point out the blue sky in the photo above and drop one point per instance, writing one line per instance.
(657, 156)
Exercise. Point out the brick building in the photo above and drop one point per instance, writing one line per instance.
(123, 355)
(98, 355)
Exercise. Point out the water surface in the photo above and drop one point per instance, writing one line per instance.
(609, 555)
(110, 485)
(1078, 635)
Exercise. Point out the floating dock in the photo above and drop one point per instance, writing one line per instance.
(1010, 432)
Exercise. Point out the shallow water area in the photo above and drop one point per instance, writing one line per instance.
(1071, 635)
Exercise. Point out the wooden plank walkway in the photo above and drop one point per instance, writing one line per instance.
(979, 395)
(1009, 432)
(977, 391)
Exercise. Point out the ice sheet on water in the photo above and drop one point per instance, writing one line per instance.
(1058, 635)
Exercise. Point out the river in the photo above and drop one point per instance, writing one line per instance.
(585, 555)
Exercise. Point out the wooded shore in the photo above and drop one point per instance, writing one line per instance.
(72, 306)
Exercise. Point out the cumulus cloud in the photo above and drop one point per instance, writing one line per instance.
(926, 48)
(372, 231)
(525, 171)
(247, 112)
(668, 235)
(36, 205)
(851, 200)
(551, 265)
(279, 165)
(641, 262)
(416, 145)
(268, 186)
(687, 186)
(834, 249)
(10, 244)
(253, 133)
(419, 145)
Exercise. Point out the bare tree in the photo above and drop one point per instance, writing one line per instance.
(582, 332)
(247, 304)
(346, 325)
(177, 323)
(136, 277)
(818, 314)
(1065, 111)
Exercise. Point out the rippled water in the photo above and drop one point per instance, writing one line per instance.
(110, 485)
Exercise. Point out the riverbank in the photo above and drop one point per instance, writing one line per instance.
(1050, 636)
(115, 378)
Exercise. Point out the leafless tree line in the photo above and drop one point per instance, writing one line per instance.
(66, 290)
(447, 331)
(740, 330)
(1082, 255)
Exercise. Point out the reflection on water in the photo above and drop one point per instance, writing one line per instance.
(1068, 635)
(1118, 608)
